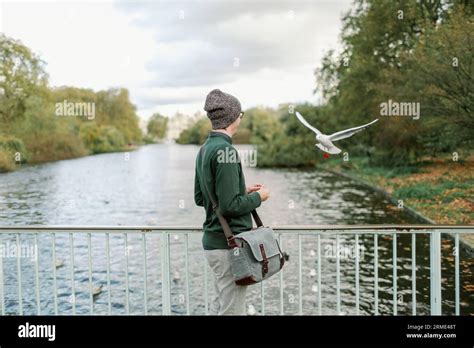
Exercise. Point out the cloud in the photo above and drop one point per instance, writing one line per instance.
(212, 42)
(268, 87)
(170, 54)
(170, 96)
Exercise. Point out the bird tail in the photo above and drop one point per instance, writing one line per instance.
(333, 150)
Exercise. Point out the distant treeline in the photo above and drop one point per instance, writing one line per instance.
(198, 132)
(395, 54)
(39, 123)
(157, 128)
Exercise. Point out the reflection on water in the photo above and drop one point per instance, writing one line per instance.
(154, 186)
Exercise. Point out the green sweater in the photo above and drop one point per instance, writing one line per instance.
(220, 167)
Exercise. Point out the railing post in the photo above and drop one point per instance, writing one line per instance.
(18, 264)
(319, 275)
(165, 273)
(206, 289)
(2, 295)
(89, 263)
(186, 263)
(107, 252)
(357, 259)
(394, 273)
(300, 277)
(338, 277)
(127, 284)
(53, 247)
(282, 307)
(37, 282)
(413, 273)
(73, 288)
(145, 275)
(376, 274)
(435, 272)
(456, 274)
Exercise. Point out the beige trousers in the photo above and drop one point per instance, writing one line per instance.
(229, 298)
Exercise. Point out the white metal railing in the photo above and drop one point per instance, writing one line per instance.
(289, 232)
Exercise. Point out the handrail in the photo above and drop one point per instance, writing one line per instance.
(399, 228)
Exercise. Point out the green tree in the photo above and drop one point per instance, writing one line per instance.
(196, 134)
(441, 77)
(157, 127)
(381, 42)
(115, 108)
(22, 73)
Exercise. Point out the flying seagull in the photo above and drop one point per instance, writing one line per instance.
(325, 141)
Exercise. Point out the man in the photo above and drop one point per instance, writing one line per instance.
(219, 168)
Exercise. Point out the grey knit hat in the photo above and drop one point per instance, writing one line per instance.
(222, 108)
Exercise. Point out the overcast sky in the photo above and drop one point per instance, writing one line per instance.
(170, 54)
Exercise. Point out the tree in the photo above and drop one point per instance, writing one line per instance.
(196, 134)
(21, 74)
(157, 127)
(115, 108)
(442, 64)
(389, 52)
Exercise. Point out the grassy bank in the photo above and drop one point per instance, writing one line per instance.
(14, 152)
(440, 189)
(8, 163)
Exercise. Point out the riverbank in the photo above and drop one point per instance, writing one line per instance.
(440, 190)
(8, 163)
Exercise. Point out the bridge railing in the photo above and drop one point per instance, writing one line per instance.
(36, 291)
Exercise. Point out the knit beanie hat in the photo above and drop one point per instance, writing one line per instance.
(222, 108)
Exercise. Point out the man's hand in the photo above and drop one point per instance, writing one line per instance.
(264, 193)
(254, 188)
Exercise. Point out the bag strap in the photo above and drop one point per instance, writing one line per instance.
(257, 219)
(222, 220)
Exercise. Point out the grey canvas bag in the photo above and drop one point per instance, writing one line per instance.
(255, 255)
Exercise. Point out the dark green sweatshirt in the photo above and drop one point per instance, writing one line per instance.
(220, 167)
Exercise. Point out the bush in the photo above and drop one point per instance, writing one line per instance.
(148, 140)
(101, 139)
(196, 134)
(55, 147)
(157, 128)
(12, 146)
(6, 161)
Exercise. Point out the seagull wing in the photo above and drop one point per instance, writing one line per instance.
(303, 121)
(349, 132)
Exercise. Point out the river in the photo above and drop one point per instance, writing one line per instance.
(154, 186)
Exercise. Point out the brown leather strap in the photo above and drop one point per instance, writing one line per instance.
(284, 256)
(222, 220)
(258, 222)
(265, 260)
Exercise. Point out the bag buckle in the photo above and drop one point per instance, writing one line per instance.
(232, 243)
